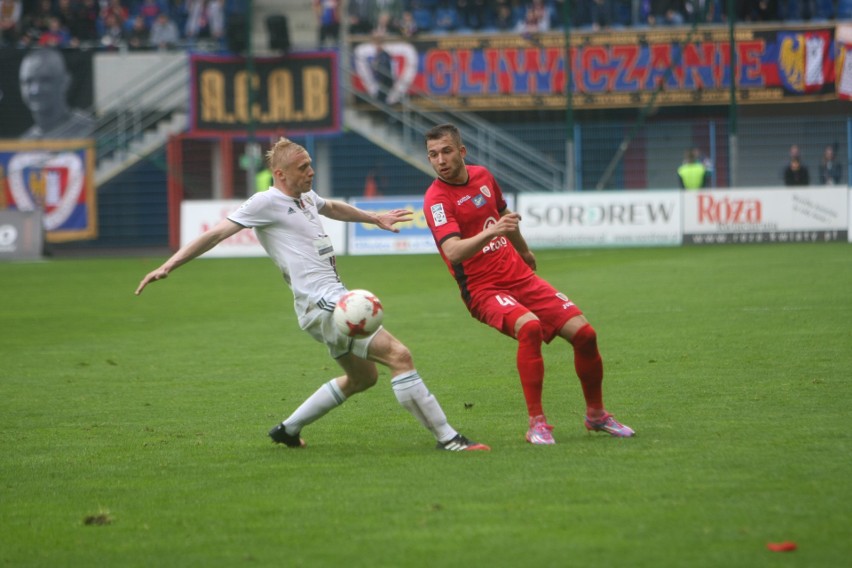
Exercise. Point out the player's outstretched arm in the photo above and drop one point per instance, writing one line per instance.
(342, 211)
(206, 241)
(388, 219)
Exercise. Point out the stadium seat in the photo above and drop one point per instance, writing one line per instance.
(278, 29)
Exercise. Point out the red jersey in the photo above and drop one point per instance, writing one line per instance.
(464, 211)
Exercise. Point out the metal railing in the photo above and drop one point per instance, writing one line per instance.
(140, 108)
(516, 165)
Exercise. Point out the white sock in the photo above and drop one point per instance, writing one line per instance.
(328, 396)
(413, 395)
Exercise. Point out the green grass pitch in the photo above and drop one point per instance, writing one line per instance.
(133, 429)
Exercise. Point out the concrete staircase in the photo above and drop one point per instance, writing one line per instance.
(137, 149)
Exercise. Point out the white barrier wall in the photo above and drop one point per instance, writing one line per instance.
(588, 219)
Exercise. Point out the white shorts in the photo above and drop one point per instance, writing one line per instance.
(322, 328)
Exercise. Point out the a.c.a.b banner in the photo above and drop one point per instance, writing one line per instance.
(54, 176)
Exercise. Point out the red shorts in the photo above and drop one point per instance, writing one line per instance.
(494, 306)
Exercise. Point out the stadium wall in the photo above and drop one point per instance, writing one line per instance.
(586, 220)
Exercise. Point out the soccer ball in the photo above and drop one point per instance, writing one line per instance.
(358, 313)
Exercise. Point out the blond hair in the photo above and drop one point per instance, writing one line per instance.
(279, 156)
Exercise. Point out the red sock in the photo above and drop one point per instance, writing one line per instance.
(531, 365)
(589, 367)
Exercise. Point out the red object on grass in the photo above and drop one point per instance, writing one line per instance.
(786, 546)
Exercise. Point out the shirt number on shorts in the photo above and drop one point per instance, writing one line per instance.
(505, 300)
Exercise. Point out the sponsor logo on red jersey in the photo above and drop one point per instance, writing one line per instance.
(438, 215)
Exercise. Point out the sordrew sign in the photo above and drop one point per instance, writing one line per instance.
(600, 219)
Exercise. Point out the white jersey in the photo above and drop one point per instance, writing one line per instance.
(291, 232)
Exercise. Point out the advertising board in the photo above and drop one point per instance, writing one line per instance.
(780, 215)
(578, 219)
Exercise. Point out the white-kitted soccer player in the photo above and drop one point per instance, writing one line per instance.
(286, 220)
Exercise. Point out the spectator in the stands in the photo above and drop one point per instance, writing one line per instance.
(206, 19)
(421, 12)
(116, 9)
(138, 35)
(407, 26)
(474, 14)
(358, 17)
(196, 20)
(504, 18)
(69, 15)
(700, 11)
(327, 13)
(446, 17)
(149, 10)
(757, 10)
(536, 18)
(66, 11)
(805, 10)
(600, 14)
(386, 15)
(10, 22)
(37, 20)
(666, 13)
(112, 34)
(85, 27)
(57, 35)
(164, 33)
(830, 169)
(557, 9)
(796, 172)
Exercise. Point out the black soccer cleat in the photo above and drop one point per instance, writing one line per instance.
(280, 436)
(461, 444)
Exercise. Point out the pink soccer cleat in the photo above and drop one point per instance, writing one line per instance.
(609, 425)
(539, 432)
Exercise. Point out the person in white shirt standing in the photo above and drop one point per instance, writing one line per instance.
(287, 224)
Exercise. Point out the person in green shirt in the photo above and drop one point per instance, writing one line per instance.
(263, 180)
(692, 174)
